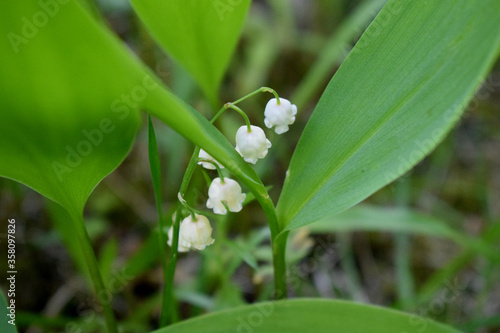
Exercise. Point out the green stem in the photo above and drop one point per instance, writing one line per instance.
(169, 278)
(219, 172)
(216, 166)
(154, 164)
(189, 171)
(278, 239)
(261, 89)
(279, 265)
(226, 106)
(168, 305)
(243, 114)
(103, 295)
(184, 204)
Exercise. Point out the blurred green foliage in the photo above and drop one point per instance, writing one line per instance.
(458, 184)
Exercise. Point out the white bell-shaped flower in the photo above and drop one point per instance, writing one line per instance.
(196, 233)
(228, 193)
(280, 115)
(252, 145)
(203, 155)
(180, 247)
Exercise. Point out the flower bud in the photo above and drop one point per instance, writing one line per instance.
(227, 192)
(280, 115)
(252, 145)
(196, 233)
(203, 155)
(180, 247)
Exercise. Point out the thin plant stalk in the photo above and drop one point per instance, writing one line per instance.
(103, 295)
(169, 304)
(279, 264)
(154, 164)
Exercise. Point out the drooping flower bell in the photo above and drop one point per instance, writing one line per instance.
(180, 247)
(280, 115)
(226, 192)
(196, 233)
(208, 160)
(252, 145)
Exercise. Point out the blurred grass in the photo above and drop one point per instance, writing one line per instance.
(459, 183)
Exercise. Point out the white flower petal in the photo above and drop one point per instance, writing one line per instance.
(280, 129)
(252, 145)
(268, 144)
(203, 155)
(280, 115)
(222, 194)
(181, 247)
(196, 233)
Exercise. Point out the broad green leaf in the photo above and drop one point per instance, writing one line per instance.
(398, 93)
(365, 217)
(69, 93)
(64, 125)
(201, 35)
(308, 315)
(7, 315)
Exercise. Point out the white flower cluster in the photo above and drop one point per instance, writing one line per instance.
(252, 144)
(224, 194)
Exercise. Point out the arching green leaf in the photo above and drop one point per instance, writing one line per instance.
(402, 88)
(65, 122)
(308, 315)
(69, 95)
